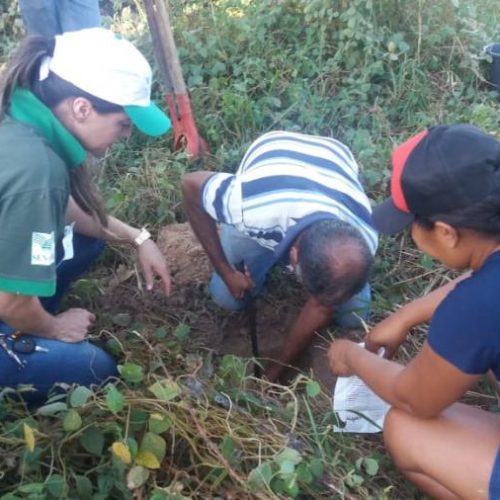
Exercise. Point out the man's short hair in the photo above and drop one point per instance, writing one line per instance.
(334, 260)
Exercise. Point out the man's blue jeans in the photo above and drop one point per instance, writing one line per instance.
(82, 363)
(240, 248)
(53, 17)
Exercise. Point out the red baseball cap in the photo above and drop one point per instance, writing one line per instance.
(440, 169)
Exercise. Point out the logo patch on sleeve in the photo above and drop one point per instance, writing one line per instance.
(43, 249)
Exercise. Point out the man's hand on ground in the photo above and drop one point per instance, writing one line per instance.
(273, 371)
(238, 283)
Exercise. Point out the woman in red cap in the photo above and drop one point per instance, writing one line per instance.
(445, 186)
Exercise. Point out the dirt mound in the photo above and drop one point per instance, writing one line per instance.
(185, 256)
(211, 327)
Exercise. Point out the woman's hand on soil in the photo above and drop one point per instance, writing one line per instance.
(337, 357)
(72, 325)
(153, 263)
(390, 333)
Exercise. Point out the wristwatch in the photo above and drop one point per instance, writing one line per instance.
(143, 236)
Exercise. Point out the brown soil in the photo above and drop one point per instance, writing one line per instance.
(212, 327)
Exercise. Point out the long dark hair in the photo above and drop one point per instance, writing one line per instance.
(23, 71)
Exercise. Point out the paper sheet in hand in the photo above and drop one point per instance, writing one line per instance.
(357, 406)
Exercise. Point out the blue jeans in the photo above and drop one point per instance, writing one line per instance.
(240, 248)
(53, 17)
(81, 363)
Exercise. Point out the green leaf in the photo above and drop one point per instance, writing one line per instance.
(288, 454)
(291, 487)
(92, 440)
(182, 332)
(132, 446)
(31, 488)
(154, 444)
(313, 388)
(79, 396)
(232, 369)
(131, 372)
(161, 333)
(99, 496)
(160, 496)
(138, 419)
(159, 423)
(51, 409)
(105, 481)
(316, 467)
(56, 485)
(260, 477)
(114, 399)
(227, 447)
(426, 261)
(371, 466)
(287, 467)
(31, 460)
(83, 486)
(165, 390)
(114, 346)
(136, 477)
(354, 480)
(72, 421)
(303, 474)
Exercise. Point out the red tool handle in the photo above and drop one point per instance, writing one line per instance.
(178, 102)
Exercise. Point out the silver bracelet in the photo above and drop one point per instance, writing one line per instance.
(144, 235)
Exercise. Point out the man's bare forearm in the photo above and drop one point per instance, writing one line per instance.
(204, 227)
(312, 317)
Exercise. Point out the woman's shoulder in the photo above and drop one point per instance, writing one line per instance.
(483, 281)
(23, 152)
(476, 298)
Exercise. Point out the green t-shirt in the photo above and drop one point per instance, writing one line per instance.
(36, 152)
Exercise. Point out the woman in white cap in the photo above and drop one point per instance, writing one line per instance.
(60, 100)
(445, 187)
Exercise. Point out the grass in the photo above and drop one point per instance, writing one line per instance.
(183, 422)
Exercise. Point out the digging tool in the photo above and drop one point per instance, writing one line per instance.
(177, 98)
(252, 323)
(251, 310)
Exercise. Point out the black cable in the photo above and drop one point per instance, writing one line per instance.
(251, 309)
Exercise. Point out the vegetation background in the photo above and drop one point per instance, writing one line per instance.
(181, 424)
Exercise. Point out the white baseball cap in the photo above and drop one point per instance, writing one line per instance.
(109, 67)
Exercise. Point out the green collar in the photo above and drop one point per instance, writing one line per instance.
(25, 107)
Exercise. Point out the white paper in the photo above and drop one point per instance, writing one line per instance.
(357, 406)
(67, 242)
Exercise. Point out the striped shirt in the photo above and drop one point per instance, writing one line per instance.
(285, 182)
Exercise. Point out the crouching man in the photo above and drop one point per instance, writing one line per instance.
(295, 200)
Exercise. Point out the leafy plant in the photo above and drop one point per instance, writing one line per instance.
(182, 424)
